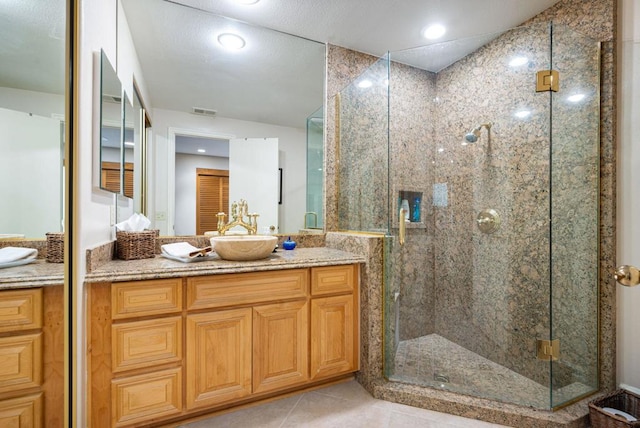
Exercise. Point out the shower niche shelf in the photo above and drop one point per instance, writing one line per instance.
(414, 200)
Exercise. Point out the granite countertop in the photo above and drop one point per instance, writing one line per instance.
(36, 274)
(160, 267)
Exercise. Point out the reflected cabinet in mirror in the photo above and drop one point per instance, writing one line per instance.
(204, 97)
(32, 78)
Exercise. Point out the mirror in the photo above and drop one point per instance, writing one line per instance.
(111, 127)
(32, 108)
(197, 88)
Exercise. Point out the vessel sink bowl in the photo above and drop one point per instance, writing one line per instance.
(244, 247)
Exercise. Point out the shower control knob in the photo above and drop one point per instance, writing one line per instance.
(488, 221)
(627, 275)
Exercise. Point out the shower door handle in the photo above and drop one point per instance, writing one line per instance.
(401, 226)
(628, 276)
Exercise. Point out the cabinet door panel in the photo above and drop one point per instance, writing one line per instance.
(216, 291)
(141, 298)
(23, 412)
(20, 310)
(141, 343)
(218, 366)
(280, 356)
(333, 279)
(146, 397)
(334, 340)
(20, 362)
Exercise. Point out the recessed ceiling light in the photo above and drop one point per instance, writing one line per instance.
(522, 114)
(434, 31)
(202, 151)
(576, 98)
(366, 83)
(247, 1)
(231, 41)
(517, 61)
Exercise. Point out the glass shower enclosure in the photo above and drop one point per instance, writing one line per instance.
(491, 145)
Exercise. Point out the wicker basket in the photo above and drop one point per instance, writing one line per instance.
(623, 400)
(55, 247)
(136, 245)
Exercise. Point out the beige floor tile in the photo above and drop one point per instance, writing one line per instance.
(268, 415)
(344, 405)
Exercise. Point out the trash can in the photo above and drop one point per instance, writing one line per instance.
(620, 409)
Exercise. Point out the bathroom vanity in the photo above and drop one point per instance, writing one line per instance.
(169, 341)
(32, 345)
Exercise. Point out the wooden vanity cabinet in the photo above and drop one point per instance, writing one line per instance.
(237, 338)
(334, 321)
(31, 357)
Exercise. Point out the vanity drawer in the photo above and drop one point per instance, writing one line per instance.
(20, 362)
(142, 343)
(141, 298)
(333, 279)
(20, 309)
(246, 288)
(153, 396)
(23, 412)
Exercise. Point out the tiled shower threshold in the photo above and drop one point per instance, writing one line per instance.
(435, 397)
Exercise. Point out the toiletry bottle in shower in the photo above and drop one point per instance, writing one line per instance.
(405, 207)
(415, 216)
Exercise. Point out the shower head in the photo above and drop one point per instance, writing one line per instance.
(473, 135)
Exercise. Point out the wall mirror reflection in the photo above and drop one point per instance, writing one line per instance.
(198, 88)
(32, 42)
(111, 120)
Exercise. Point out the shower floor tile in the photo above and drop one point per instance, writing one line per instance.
(436, 362)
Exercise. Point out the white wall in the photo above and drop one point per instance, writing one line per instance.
(292, 142)
(93, 207)
(186, 165)
(628, 206)
(30, 174)
(39, 103)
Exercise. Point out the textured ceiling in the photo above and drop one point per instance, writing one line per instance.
(278, 78)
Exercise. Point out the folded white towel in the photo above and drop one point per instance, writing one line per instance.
(184, 252)
(14, 254)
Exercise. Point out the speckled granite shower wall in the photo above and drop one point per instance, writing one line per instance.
(499, 283)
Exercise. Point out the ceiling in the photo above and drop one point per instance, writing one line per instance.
(278, 79)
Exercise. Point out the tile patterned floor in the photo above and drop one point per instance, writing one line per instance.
(345, 405)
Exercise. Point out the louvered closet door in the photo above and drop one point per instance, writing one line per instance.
(212, 197)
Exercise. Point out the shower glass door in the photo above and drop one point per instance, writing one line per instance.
(575, 160)
(487, 278)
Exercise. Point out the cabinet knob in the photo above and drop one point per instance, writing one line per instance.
(628, 276)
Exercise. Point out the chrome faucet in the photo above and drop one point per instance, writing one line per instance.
(315, 219)
(239, 210)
